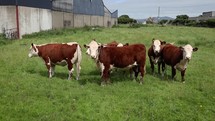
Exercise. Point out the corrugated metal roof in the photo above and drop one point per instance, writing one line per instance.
(46, 4)
(89, 7)
(114, 14)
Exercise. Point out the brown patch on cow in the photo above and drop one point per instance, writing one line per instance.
(122, 57)
(173, 56)
(155, 58)
(53, 54)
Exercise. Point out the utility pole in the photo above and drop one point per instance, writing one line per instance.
(17, 19)
(158, 14)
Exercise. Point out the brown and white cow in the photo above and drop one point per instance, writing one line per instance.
(177, 58)
(58, 54)
(93, 46)
(154, 53)
(122, 57)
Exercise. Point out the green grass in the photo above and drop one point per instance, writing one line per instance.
(27, 94)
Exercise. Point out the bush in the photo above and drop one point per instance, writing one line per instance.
(135, 25)
(211, 23)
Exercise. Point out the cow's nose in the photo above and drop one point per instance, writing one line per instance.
(188, 58)
(94, 57)
(156, 52)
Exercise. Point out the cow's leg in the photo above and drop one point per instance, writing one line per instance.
(78, 68)
(182, 76)
(70, 68)
(52, 70)
(131, 72)
(142, 72)
(163, 69)
(48, 65)
(105, 75)
(159, 65)
(136, 72)
(173, 72)
(152, 66)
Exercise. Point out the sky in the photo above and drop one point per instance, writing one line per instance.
(141, 9)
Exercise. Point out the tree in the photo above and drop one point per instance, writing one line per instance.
(125, 19)
(181, 20)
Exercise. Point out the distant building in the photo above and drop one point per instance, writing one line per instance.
(28, 16)
(204, 16)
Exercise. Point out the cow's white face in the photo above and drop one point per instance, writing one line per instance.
(187, 51)
(156, 46)
(92, 49)
(33, 52)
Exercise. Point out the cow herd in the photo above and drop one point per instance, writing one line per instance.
(115, 55)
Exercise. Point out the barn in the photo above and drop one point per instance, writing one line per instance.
(20, 17)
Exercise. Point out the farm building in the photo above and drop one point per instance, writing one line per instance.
(28, 16)
(205, 16)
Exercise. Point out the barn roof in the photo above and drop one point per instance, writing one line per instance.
(46, 4)
(89, 7)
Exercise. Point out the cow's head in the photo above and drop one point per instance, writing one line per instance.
(156, 44)
(92, 48)
(187, 51)
(33, 51)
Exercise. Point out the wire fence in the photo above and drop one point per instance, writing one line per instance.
(10, 33)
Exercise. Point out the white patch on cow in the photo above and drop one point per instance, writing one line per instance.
(70, 73)
(32, 52)
(74, 59)
(102, 68)
(71, 43)
(49, 63)
(53, 70)
(155, 60)
(156, 46)
(187, 51)
(50, 73)
(182, 65)
(92, 49)
(132, 65)
(62, 63)
(120, 45)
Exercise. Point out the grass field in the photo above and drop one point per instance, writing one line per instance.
(27, 94)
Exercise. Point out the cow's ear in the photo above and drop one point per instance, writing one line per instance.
(195, 49)
(163, 42)
(181, 48)
(94, 39)
(126, 44)
(153, 39)
(86, 46)
(101, 46)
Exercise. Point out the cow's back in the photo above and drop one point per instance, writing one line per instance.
(123, 56)
(57, 52)
(171, 54)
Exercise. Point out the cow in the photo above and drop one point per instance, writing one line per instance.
(122, 57)
(58, 54)
(93, 46)
(154, 53)
(177, 58)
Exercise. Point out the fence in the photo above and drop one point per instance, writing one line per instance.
(10, 33)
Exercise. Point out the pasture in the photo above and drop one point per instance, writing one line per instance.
(27, 94)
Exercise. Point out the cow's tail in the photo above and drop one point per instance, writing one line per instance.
(78, 62)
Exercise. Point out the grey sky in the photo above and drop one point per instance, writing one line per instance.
(149, 8)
